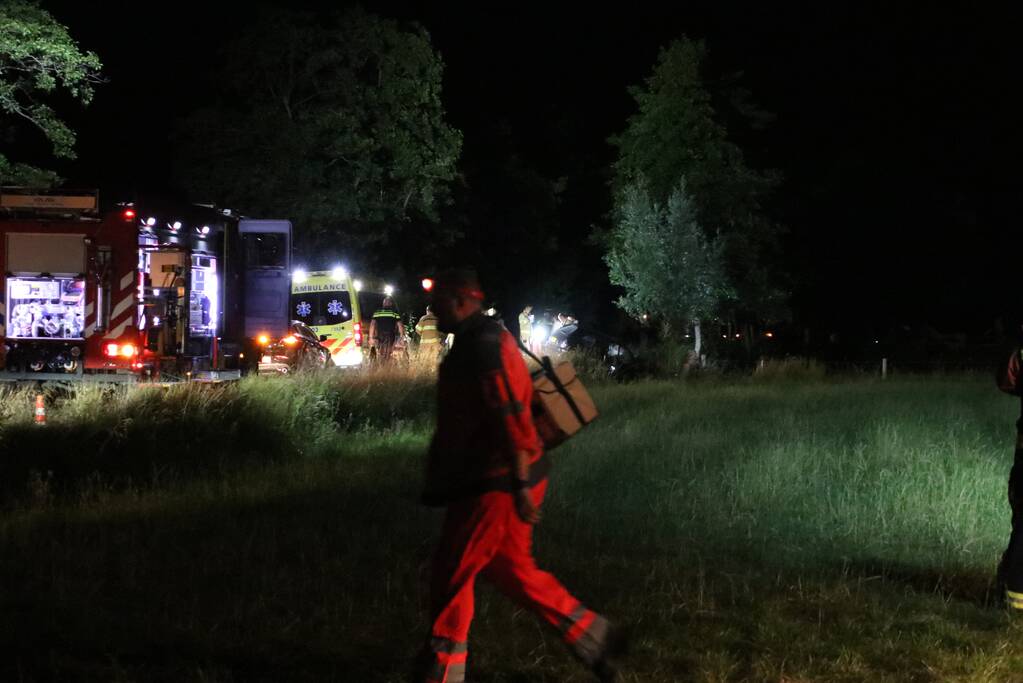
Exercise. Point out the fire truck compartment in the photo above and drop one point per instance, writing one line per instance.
(52, 253)
(45, 307)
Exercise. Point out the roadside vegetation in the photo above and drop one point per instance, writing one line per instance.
(783, 527)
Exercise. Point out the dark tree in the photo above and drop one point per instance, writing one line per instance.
(38, 59)
(333, 121)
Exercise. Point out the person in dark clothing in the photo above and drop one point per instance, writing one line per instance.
(487, 466)
(385, 329)
(1010, 569)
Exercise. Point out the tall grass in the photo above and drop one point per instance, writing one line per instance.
(749, 531)
(144, 433)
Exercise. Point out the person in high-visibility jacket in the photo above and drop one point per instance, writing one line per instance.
(429, 336)
(385, 329)
(525, 325)
(1010, 569)
(487, 465)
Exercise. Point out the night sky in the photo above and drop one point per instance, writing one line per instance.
(895, 132)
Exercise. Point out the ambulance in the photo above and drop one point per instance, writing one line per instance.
(338, 306)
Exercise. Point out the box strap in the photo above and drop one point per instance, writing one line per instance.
(548, 369)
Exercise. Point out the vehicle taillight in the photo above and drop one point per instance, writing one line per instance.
(290, 340)
(128, 214)
(358, 334)
(123, 350)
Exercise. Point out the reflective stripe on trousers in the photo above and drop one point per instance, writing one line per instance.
(447, 663)
(585, 633)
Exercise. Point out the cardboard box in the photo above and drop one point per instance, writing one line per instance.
(556, 417)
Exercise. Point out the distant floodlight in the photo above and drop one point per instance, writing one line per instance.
(358, 285)
(339, 273)
(427, 284)
(175, 226)
(388, 290)
(299, 275)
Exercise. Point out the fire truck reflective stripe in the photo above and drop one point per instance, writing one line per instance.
(127, 280)
(88, 309)
(89, 329)
(122, 305)
(118, 331)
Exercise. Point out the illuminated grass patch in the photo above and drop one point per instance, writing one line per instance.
(748, 531)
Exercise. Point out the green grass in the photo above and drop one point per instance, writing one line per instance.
(757, 530)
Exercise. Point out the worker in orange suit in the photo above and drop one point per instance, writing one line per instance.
(487, 465)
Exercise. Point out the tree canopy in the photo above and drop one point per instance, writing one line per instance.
(675, 134)
(666, 263)
(331, 120)
(38, 58)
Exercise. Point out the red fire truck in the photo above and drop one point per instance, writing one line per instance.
(142, 290)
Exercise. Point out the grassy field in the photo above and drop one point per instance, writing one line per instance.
(747, 531)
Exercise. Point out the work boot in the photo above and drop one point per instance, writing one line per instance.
(616, 645)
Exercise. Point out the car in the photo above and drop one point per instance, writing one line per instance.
(300, 349)
(618, 358)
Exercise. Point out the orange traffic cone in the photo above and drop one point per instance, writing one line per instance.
(40, 409)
